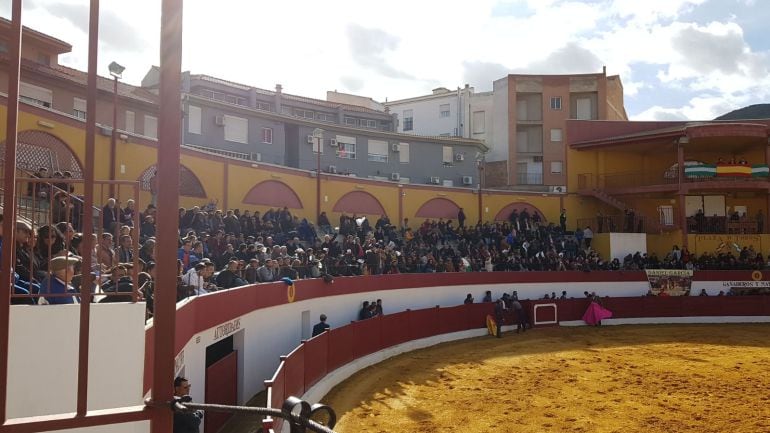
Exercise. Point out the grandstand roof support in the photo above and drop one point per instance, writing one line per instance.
(9, 202)
(169, 142)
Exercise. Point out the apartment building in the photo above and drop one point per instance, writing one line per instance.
(522, 122)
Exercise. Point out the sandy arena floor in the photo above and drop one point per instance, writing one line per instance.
(624, 379)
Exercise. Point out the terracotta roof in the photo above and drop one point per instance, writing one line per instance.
(61, 46)
(81, 78)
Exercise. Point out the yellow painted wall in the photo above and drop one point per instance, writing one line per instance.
(601, 243)
(662, 244)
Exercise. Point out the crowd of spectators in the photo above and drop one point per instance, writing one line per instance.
(225, 249)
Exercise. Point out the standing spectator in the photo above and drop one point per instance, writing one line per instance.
(321, 326)
(109, 216)
(461, 218)
(487, 296)
(127, 214)
(468, 299)
(760, 221)
(154, 188)
(499, 316)
(600, 221)
(521, 316)
(378, 308)
(185, 422)
(563, 220)
(588, 236)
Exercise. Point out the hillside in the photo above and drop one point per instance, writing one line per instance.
(758, 111)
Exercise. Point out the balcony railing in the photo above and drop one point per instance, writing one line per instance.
(529, 178)
(640, 178)
(624, 224)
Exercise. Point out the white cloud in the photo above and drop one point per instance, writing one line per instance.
(405, 48)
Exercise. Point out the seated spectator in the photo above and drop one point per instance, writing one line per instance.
(703, 292)
(250, 273)
(266, 272)
(119, 282)
(62, 269)
(229, 277)
(468, 299)
(195, 277)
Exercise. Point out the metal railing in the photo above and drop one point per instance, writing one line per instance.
(529, 178)
(633, 179)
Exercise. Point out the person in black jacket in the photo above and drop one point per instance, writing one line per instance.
(185, 422)
(321, 326)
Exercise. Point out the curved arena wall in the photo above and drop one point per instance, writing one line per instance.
(265, 324)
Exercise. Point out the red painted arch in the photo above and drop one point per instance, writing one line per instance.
(359, 202)
(42, 149)
(438, 208)
(274, 194)
(505, 212)
(189, 184)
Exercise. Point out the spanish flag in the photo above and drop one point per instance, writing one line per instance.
(733, 170)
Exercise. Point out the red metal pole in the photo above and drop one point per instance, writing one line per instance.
(169, 142)
(113, 138)
(9, 201)
(88, 203)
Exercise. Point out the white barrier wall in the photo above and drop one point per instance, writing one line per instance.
(43, 359)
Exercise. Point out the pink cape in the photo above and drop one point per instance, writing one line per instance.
(596, 313)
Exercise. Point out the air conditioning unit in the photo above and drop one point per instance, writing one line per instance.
(310, 139)
(256, 157)
(219, 120)
(460, 157)
(537, 158)
(333, 142)
(395, 176)
(467, 180)
(435, 180)
(333, 169)
(395, 147)
(559, 189)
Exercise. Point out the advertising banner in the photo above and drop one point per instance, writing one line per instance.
(669, 282)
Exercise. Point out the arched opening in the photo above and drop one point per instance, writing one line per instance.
(189, 184)
(360, 203)
(274, 194)
(38, 149)
(438, 208)
(505, 213)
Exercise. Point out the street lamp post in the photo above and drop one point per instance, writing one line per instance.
(480, 167)
(318, 136)
(116, 71)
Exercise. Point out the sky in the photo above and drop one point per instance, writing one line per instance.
(677, 59)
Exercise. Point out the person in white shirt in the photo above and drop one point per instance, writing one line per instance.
(195, 277)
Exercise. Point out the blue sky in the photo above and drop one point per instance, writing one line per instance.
(678, 59)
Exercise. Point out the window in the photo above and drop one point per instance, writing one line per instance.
(305, 114)
(447, 155)
(32, 94)
(265, 106)
(556, 134)
(324, 117)
(408, 120)
(150, 126)
(193, 119)
(79, 108)
(267, 135)
(346, 150)
(236, 129)
(479, 122)
(286, 110)
(368, 123)
(556, 103)
(403, 153)
(443, 110)
(351, 121)
(378, 151)
(44, 59)
(130, 121)
(584, 109)
(219, 96)
(556, 167)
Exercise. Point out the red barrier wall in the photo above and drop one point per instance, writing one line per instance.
(294, 366)
(316, 354)
(221, 387)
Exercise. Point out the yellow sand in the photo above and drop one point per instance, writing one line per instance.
(696, 378)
